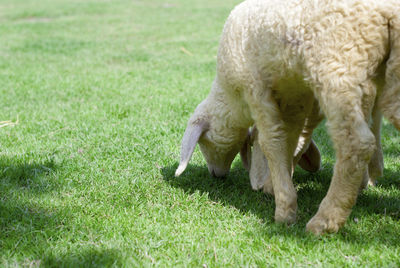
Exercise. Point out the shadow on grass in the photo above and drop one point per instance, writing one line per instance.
(19, 179)
(92, 257)
(236, 191)
(25, 176)
(29, 229)
(21, 218)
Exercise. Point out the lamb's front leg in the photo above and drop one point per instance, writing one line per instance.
(278, 145)
(354, 145)
(375, 166)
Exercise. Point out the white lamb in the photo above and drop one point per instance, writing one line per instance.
(275, 59)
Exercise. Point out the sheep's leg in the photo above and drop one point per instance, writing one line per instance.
(389, 101)
(389, 106)
(354, 145)
(278, 145)
(371, 111)
(375, 166)
(259, 171)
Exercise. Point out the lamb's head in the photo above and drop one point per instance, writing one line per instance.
(219, 142)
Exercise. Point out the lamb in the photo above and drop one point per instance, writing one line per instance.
(278, 61)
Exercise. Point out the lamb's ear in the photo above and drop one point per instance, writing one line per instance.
(311, 159)
(189, 141)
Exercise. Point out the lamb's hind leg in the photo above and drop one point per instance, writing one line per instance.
(278, 145)
(371, 111)
(354, 144)
(375, 166)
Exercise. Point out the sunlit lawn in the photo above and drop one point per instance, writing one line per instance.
(102, 91)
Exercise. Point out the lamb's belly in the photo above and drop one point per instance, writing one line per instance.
(293, 96)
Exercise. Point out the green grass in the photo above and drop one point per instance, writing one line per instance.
(103, 91)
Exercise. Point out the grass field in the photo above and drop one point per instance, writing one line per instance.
(101, 92)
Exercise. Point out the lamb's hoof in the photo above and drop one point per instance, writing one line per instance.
(287, 217)
(319, 225)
